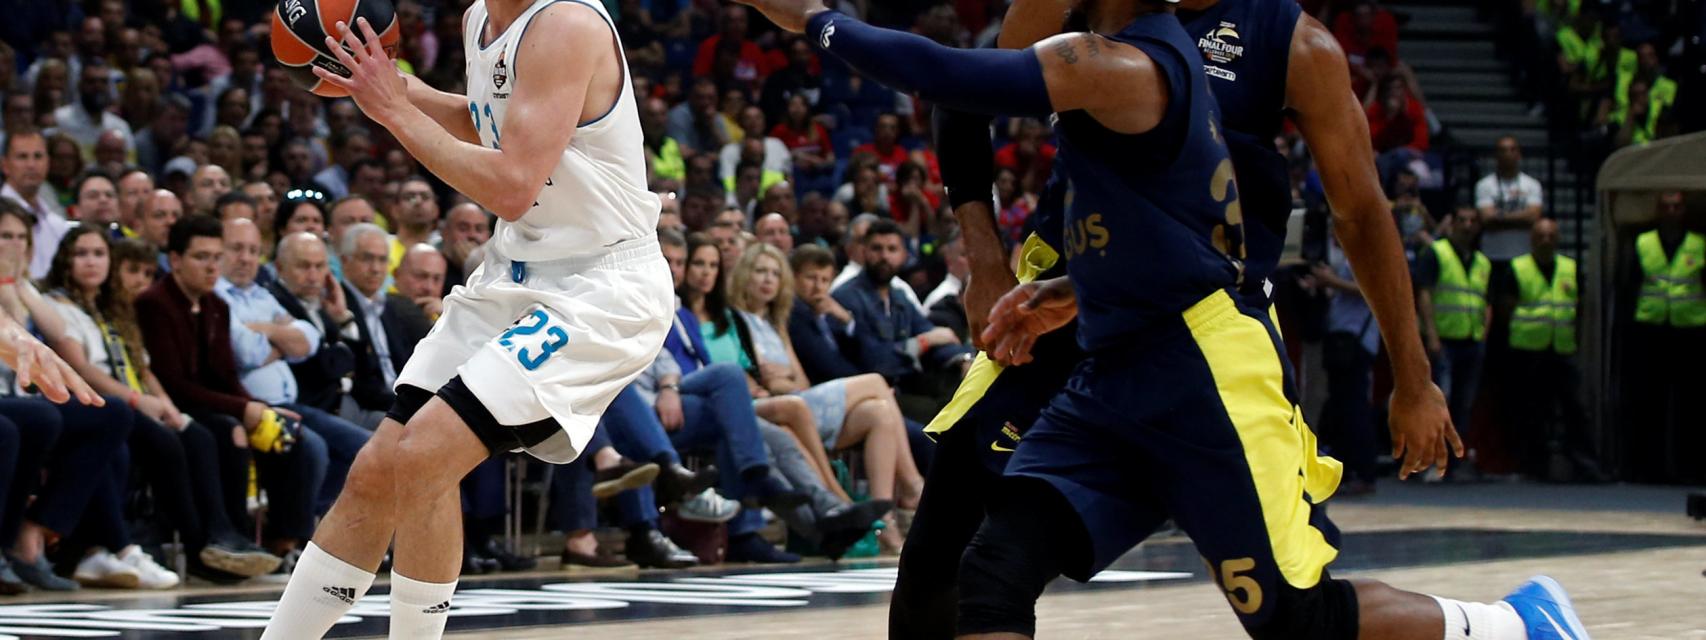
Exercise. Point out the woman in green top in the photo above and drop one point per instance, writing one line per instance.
(725, 341)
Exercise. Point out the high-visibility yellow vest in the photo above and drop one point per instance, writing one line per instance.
(1670, 289)
(1545, 315)
(1460, 299)
(668, 163)
(192, 10)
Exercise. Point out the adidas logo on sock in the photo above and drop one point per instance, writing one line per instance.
(442, 607)
(346, 594)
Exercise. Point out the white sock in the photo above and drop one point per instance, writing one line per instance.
(1477, 621)
(321, 590)
(419, 609)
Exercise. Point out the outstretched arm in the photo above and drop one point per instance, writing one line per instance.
(1333, 125)
(546, 106)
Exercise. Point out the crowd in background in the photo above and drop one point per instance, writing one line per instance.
(241, 268)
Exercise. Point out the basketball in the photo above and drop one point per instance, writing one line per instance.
(300, 27)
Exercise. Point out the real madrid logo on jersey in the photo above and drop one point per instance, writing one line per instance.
(1222, 46)
(500, 77)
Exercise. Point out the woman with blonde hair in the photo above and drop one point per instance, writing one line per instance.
(849, 411)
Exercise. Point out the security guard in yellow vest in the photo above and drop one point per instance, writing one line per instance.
(1451, 286)
(1666, 344)
(1540, 296)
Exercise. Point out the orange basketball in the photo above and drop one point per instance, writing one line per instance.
(300, 27)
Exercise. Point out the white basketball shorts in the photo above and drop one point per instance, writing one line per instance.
(551, 340)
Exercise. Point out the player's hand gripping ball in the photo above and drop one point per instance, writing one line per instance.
(300, 27)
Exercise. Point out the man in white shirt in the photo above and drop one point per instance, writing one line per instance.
(85, 119)
(777, 157)
(23, 158)
(1510, 202)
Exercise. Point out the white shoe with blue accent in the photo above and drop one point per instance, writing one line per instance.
(1546, 610)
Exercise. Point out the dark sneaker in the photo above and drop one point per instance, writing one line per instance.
(508, 561)
(847, 525)
(749, 547)
(771, 493)
(625, 476)
(39, 574)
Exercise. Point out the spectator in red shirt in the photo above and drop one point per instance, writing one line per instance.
(890, 154)
(1397, 119)
(1029, 156)
(750, 66)
(805, 137)
(1365, 27)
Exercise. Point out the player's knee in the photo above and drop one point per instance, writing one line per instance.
(1016, 553)
(1327, 611)
(371, 475)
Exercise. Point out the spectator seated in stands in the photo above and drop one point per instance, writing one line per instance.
(187, 330)
(663, 153)
(759, 145)
(773, 229)
(943, 306)
(23, 161)
(386, 327)
(808, 141)
(69, 441)
(602, 474)
(307, 291)
(97, 202)
(854, 247)
(853, 411)
(266, 340)
(177, 455)
(465, 229)
(207, 184)
(694, 124)
(1396, 119)
(892, 335)
(420, 278)
(724, 392)
(818, 326)
(415, 218)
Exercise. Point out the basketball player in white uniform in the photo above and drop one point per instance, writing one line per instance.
(572, 302)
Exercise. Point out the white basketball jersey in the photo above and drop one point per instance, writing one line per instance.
(596, 197)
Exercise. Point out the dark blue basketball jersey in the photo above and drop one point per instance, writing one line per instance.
(1246, 49)
(1154, 224)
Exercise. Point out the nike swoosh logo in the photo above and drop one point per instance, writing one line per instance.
(1555, 626)
(996, 447)
(1466, 631)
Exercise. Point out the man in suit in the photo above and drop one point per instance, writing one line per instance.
(818, 325)
(387, 326)
(307, 290)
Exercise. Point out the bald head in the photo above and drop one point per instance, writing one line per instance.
(159, 212)
(206, 185)
(242, 251)
(303, 265)
(421, 273)
(773, 230)
(1544, 239)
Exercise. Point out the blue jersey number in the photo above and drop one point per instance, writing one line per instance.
(474, 111)
(555, 338)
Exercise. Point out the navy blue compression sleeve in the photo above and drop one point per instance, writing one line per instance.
(997, 82)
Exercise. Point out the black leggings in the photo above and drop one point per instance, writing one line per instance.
(956, 495)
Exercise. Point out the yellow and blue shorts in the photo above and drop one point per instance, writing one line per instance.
(1199, 424)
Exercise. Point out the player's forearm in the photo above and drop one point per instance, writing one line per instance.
(447, 109)
(993, 82)
(484, 175)
(982, 239)
(1371, 244)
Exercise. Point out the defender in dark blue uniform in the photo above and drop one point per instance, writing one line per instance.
(1181, 408)
(1245, 47)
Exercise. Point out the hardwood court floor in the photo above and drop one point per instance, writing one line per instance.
(1629, 594)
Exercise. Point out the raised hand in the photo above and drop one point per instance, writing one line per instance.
(374, 81)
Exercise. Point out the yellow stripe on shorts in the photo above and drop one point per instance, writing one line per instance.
(1035, 258)
(1278, 446)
